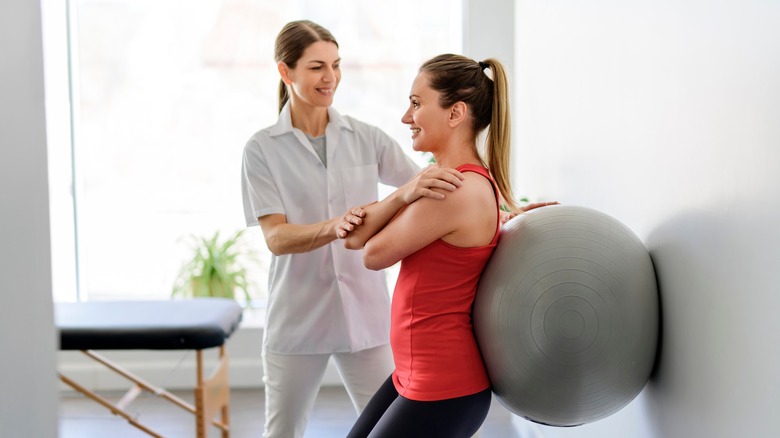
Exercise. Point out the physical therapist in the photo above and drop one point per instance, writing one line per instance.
(300, 179)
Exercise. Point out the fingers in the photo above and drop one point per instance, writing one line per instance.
(357, 212)
(435, 177)
(344, 229)
(355, 216)
(431, 177)
(450, 177)
(539, 204)
(505, 217)
(351, 218)
(440, 184)
(510, 215)
(428, 193)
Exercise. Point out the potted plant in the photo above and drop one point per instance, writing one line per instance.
(216, 269)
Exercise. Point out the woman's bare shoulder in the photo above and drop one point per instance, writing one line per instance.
(474, 212)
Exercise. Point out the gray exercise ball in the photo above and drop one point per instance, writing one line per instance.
(566, 316)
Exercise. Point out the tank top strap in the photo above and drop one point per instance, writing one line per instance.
(484, 172)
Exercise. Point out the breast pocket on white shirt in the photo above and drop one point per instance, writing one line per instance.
(360, 184)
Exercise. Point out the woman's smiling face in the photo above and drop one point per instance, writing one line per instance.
(316, 75)
(425, 116)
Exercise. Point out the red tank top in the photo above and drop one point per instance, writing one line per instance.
(434, 348)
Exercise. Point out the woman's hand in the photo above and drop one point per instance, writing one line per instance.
(507, 216)
(431, 177)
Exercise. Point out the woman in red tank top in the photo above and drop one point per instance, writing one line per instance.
(439, 387)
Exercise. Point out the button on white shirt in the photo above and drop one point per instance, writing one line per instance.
(325, 300)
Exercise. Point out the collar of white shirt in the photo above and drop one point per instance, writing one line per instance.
(284, 124)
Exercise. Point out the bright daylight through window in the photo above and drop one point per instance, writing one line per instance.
(147, 136)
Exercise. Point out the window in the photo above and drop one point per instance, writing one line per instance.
(163, 96)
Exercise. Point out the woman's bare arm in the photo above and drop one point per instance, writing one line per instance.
(285, 238)
(467, 217)
(362, 223)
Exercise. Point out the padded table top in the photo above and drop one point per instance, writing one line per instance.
(192, 324)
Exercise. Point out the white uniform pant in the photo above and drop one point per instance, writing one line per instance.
(293, 380)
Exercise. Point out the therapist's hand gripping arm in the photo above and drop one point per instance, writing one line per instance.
(282, 237)
(285, 238)
(382, 212)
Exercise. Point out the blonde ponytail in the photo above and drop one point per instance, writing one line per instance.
(498, 147)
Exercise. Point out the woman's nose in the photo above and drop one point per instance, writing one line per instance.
(407, 117)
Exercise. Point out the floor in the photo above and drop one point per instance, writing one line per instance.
(332, 417)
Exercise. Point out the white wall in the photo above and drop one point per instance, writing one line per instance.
(488, 30)
(666, 115)
(28, 403)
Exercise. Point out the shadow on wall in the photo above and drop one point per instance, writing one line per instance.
(660, 344)
(715, 373)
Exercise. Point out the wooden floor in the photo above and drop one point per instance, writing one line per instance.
(332, 417)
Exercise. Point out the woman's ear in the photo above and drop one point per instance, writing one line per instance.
(458, 113)
(284, 72)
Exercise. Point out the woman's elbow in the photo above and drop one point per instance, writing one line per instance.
(372, 263)
(373, 260)
(350, 242)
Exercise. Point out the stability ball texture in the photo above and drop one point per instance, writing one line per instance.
(566, 316)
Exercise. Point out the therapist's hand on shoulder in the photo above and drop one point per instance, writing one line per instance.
(431, 177)
(421, 185)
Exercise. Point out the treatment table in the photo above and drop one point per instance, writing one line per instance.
(193, 324)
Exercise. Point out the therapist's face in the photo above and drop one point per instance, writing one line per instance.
(316, 75)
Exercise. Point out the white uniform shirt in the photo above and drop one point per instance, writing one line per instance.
(322, 301)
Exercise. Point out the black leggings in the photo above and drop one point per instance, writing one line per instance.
(390, 415)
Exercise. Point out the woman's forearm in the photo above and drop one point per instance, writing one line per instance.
(377, 215)
(432, 182)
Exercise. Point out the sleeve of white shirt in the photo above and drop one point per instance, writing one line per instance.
(395, 167)
(259, 191)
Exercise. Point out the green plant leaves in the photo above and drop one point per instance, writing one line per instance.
(216, 269)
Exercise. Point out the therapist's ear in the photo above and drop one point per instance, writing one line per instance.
(284, 72)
